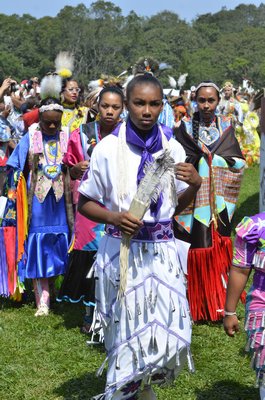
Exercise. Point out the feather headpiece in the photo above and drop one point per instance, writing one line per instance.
(64, 64)
(164, 65)
(95, 84)
(51, 86)
(172, 82)
(128, 79)
(104, 81)
(228, 85)
(182, 80)
(145, 64)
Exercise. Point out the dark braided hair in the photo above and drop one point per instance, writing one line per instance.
(195, 126)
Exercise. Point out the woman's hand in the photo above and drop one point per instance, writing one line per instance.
(126, 222)
(231, 325)
(78, 170)
(186, 172)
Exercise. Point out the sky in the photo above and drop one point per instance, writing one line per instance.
(186, 9)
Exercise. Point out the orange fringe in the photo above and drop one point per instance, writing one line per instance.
(207, 278)
(22, 216)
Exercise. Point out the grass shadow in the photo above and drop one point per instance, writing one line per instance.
(72, 314)
(247, 208)
(82, 388)
(228, 390)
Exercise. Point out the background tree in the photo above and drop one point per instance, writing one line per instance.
(229, 44)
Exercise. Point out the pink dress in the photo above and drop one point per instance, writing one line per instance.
(87, 234)
(250, 253)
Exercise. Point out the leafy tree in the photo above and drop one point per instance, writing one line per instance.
(229, 44)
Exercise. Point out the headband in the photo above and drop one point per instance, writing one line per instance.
(207, 84)
(51, 107)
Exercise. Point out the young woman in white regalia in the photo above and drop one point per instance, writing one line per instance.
(140, 286)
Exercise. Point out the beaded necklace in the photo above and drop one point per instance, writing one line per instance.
(208, 134)
(51, 171)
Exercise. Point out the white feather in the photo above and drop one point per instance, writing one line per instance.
(64, 60)
(51, 86)
(92, 85)
(182, 80)
(130, 77)
(156, 174)
(164, 65)
(172, 82)
(123, 73)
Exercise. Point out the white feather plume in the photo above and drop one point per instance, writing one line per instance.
(182, 80)
(51, 86)
(64, 61)
(164, 65)
(95, 84)
(172, 82)
(123, 73)
(130, 77)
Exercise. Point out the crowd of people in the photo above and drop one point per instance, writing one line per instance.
(123, 197)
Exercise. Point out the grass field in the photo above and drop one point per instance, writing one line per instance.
(47, 358)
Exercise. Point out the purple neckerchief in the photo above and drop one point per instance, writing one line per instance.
(149, 145)
(117, 129)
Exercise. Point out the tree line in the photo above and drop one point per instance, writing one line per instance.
(227, 45)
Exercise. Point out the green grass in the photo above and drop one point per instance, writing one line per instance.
(47, 358)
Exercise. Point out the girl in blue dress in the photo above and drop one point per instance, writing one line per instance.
(38, 156)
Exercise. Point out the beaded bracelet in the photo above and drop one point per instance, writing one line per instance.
(229, 313)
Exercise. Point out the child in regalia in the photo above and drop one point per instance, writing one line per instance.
(249, 255)
(38, 160)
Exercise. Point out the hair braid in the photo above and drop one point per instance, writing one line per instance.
(195, 126)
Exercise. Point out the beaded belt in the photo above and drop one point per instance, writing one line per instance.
(161, 231)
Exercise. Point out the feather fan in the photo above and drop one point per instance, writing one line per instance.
(158, 175)
(51, 86)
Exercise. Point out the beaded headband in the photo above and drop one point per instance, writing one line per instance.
(207, 84)
(51, 107)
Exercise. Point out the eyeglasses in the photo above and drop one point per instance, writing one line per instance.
(74, 89)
